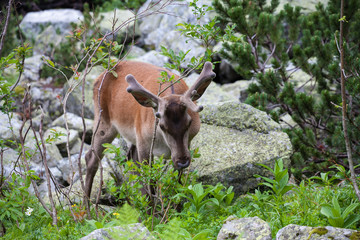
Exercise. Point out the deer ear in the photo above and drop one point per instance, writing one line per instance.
(141, 95)
(204, 80)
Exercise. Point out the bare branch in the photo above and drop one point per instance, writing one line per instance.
(5, 26)
(343, 97)
(47, 171)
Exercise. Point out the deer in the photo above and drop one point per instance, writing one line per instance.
(128, 103)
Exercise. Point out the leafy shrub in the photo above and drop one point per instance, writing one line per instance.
(338, 217)
(305, 205)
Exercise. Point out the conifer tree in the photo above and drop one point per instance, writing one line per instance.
(271, 45)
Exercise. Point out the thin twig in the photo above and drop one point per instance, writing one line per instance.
(47, 171)
(5, 26)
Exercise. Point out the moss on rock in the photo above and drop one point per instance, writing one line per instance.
(239, 139)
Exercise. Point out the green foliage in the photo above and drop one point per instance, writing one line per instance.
(202, 202)
(338, 217)
(54, 135)
(279, 185)
(173, 230)
(13, 59)
(342, 174)
(208, 33)
(198, 193)
(325, 179)
(305, 205)
(125, 215)
(14, 198)
(176, 59)
(141, 178)
(271, 45)
(39, 226)
(223, 197)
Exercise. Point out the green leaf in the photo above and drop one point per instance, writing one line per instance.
(264, 166)
(114, 73)
(336, 222)
(349, 210)
(204, 234)
(336, 206)
(22, 226)
(350, 220)
(286, 189)
(51, 63)
(326, 210)
(214, 200)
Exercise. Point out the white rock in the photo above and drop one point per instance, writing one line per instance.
(34, 22)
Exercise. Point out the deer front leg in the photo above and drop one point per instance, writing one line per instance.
(105, 134)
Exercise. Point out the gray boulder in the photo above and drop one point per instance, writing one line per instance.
(37, 118)
(123, 19)
(153, 57)
(31, 147)
(75, 122)
(64, 166)
(215, 93)
(61, 19)
(43, 190)
(52, 152)
(130, 231)
(10, 157)
(134, 52)
(59, 137)
(252, 228)
(233, 138)
(7, 124)
(47, 98)
(237, 89)
(32, 68)
(160, 29)
(48, 39)
(297, 232)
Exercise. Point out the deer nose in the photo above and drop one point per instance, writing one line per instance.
(183, 164)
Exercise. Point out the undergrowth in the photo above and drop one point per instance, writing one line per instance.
(204, 209)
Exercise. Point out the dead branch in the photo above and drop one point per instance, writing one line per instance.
(343, 97)
(47, 170)
(5, 26)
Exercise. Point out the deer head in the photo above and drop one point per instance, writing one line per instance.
(173, 113)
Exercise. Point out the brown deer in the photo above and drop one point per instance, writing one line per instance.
(134, 116)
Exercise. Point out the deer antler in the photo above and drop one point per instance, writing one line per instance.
(198, 88)
(143, 96)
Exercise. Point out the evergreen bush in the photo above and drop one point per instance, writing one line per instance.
(271, 44)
